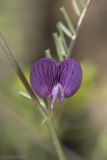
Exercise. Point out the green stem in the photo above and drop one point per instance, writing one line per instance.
(55, 139)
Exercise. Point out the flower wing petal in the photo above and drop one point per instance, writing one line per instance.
(70, 76)
(42, 76)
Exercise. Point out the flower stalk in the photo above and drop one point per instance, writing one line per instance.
(55, 139)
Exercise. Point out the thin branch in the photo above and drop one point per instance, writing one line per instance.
(72, 43)
(20, 74)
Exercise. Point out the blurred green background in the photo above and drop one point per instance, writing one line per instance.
(81, 122)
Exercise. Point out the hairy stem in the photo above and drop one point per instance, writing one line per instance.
(73, 41)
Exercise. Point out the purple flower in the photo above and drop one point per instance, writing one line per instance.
(49, 79)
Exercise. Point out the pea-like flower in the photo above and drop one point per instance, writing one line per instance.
(49, 79)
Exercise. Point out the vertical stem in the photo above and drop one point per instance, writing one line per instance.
(56, 142)
(20, 73)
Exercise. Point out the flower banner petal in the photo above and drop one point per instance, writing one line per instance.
(70, 76)
(42, 76)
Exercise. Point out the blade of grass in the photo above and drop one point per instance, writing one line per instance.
(61, 46)
(76, 7)
(68, 20)
(61, 33)
(65, 30)
(25, 95)
(56, 39)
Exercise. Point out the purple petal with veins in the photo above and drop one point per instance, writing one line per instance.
(70, 76)
(49, 79)
(42, 76)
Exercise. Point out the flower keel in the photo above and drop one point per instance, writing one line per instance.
(57, 91)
